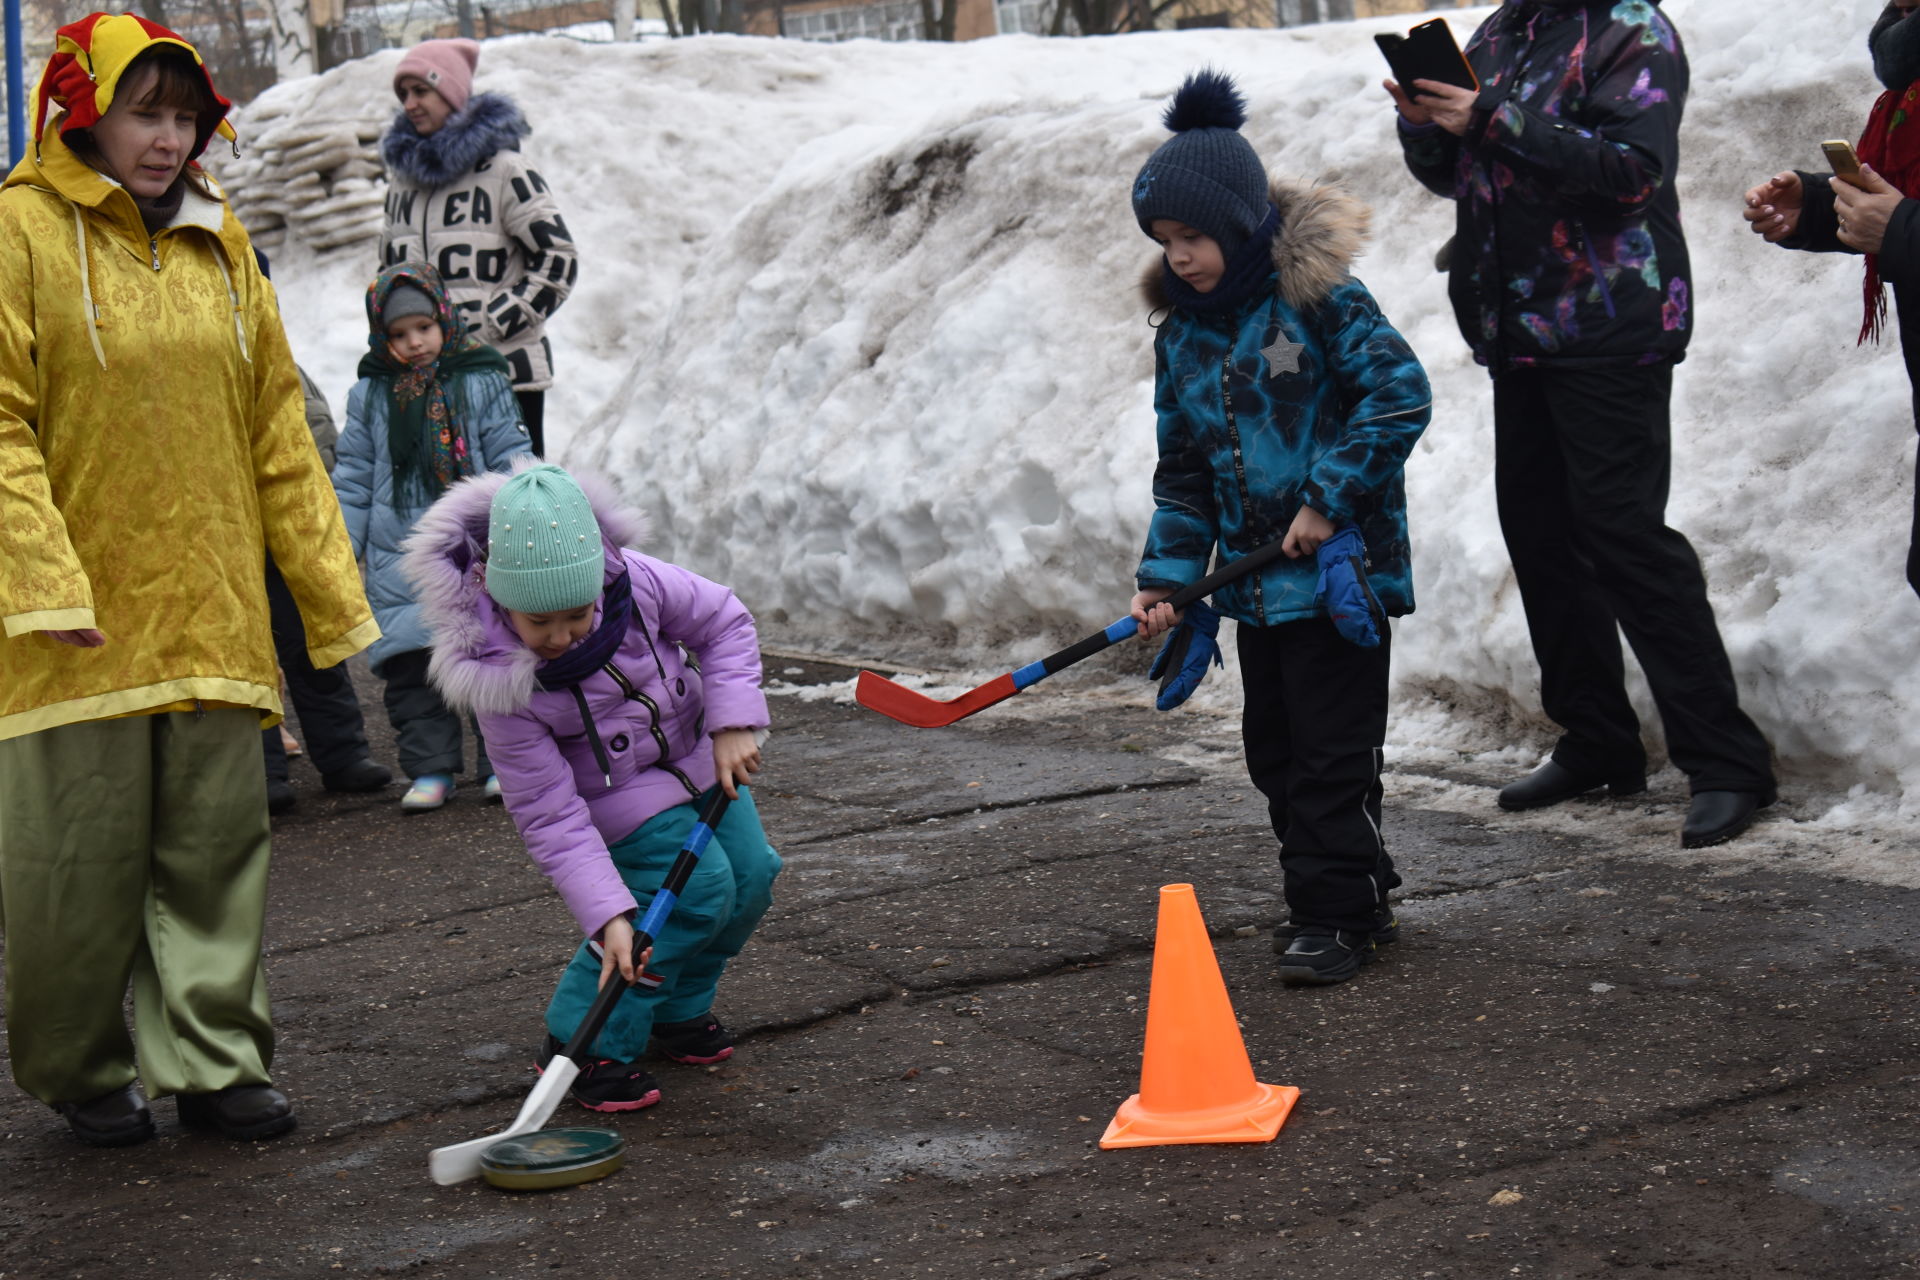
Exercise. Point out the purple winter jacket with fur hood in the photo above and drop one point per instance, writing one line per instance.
(656, 741)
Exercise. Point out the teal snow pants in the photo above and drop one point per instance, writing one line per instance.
(731, 888)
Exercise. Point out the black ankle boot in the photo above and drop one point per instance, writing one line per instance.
(1553, 782)
(243, 1111)
(1717, 816)
(362, 775)
(117, 1119)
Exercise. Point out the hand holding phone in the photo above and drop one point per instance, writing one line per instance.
(1845, 164)
(1428, 52)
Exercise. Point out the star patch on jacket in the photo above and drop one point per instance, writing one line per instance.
(1282, 355)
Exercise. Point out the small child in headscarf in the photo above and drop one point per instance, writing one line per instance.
(433, 405)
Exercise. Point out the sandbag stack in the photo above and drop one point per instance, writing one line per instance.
(315, 180)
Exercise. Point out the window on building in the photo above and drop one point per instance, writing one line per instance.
(894, 20)
(1298, 13)
(1029, 17)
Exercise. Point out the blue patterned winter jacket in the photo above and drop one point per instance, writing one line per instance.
(1569, 249)
(1250, 428)
(363, 481)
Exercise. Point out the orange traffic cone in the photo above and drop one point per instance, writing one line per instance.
(1196, 1084)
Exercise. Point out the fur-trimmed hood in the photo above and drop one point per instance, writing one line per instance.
(479, 663)
(490, 123)
(1322, 231)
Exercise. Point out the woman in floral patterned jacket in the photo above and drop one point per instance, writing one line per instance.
(1570, 282)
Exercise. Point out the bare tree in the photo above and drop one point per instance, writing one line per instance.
(938, 22)
(292, 38)
(1106, 17)
(241, 51)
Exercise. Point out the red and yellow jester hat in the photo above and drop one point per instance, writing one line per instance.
(89, 57)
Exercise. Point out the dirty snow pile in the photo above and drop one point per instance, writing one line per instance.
(857, 326)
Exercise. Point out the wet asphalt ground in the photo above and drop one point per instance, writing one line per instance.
(1590, 1055)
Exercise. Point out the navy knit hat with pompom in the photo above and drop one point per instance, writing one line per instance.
(1206, 175)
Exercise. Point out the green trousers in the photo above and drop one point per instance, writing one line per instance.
(135, 849)
(730, 889)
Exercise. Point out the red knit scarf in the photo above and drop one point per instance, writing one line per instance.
(1891, 146)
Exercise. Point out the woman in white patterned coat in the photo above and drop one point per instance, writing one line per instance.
(463, 197)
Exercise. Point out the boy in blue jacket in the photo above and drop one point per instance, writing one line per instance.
(1287, 406)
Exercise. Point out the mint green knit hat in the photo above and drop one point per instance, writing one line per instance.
(544, 551)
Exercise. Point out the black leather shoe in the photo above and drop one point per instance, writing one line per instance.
(117, 1119)
(1718, 816)
(243, 1111)
(1553, 782)
(362, 775)
(280, 795)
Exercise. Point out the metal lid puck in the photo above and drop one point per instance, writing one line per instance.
(553, 1158)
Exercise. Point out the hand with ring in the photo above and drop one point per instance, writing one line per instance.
(1864, 208)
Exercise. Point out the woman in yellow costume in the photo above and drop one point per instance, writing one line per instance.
(152, 444)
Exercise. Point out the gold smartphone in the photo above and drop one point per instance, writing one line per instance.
(1846, 165)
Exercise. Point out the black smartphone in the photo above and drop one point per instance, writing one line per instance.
(1428, 52)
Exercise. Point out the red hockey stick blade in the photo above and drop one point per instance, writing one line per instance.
(877, 693)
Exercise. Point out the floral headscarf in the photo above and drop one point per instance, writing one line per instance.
(426, 410)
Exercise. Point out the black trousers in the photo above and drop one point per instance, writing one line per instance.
(426, 731)
(1314, 725)
(1582, 465)
(323, 698)
(533, 412)
(1913, 543)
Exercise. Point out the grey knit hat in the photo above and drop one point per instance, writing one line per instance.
(1206, 175)
(544, 550)
(404, 300)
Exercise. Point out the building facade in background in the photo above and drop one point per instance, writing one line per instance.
(251, 44)
(903, 20)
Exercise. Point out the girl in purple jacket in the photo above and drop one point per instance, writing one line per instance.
(573, 651)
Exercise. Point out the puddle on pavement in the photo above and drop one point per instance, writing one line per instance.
(852, 1163)
(1860, 1182)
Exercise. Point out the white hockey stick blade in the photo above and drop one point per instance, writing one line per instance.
(461, 1161)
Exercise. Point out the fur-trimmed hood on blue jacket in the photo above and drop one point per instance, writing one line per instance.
(1304, 394)
(490, 123)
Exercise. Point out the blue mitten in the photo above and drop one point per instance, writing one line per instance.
(1343, 590)
(1182, 662)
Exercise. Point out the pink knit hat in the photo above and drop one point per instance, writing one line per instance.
(447, 65)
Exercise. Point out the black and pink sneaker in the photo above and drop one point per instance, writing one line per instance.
(607, 1085)
(697, 1041)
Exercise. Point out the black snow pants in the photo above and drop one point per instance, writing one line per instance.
(1913, 542)
(1314, 725)
(330, 721)
(1582, 465)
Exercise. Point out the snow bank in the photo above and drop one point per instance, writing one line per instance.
(857, 324)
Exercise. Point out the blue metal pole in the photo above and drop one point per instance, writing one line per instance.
(16, 87)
